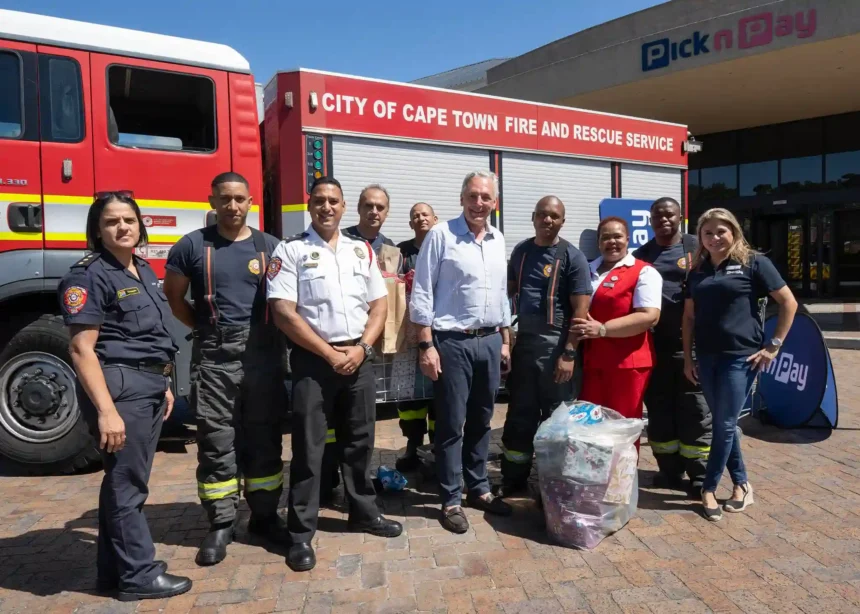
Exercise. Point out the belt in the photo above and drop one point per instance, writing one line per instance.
(159, 368)
(345, 344)
(472, 332)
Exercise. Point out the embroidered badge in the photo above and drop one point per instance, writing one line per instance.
(359, 252)
(315, 255)
(126, 292)
(74, 299)
(547, 270)
(274, 268)
(682, 263)
(254, 266)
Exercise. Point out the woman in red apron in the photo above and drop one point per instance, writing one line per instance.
(625, 305)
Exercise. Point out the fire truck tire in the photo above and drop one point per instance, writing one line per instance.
(41, 428)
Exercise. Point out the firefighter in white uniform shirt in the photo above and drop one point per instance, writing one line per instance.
(328, 295)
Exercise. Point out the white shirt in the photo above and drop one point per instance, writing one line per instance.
(649, 286)
(460, 284)
(332, 289)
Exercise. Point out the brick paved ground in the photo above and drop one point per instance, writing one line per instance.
(796, 551)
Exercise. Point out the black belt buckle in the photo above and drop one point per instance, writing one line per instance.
(481, 332)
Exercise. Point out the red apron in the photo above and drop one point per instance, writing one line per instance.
(616, 371)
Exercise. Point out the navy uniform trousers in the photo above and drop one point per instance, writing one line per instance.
(533, 396)
(125, 550)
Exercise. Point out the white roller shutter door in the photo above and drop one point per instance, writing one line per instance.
(580, 184)
(650, 182)
(411, 172)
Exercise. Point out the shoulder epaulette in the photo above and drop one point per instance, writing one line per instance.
(296, 237)
(87, 260)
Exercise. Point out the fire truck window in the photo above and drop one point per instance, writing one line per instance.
(154, 109)
(62, 100)
(11, 124)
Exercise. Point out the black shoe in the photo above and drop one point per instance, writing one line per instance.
(273, 528)
(165, 585)
(213, 550)
(380, 526)
(714, 514)
(454, 519)
(509, 489)
(490, 504)
(408, 463)
(301, 557)
(108, 586)
(668, 482)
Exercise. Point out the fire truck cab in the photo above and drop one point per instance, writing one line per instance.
(87, 108)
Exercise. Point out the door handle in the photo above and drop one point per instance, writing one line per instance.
(67, 169)
(24, 217)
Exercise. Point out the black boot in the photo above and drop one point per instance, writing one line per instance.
(213, 550)
(272, 527)
(165, 585)
(410, 460)
(301, 557)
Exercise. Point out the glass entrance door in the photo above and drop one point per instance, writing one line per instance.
(783, 240)
(847, 252)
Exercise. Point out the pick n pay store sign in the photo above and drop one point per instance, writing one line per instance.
(752, 31)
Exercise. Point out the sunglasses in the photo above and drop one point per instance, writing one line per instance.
(115, 194)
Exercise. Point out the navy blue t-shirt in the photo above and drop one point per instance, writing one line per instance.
(671, 262)
(536, 275)
(238, 275)
(130, 312)
(726, 305)
(376, 244)
(409, 252)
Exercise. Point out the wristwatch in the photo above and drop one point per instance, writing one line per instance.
(775, 342)
(368, 349)
(602, 331)
(570, 353)
(425, 345)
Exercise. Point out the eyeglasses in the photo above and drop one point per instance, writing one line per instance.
(114, 194)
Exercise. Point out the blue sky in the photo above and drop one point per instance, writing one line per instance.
(400, 41)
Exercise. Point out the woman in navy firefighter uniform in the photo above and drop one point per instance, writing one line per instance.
(721, 319)
(122, 354)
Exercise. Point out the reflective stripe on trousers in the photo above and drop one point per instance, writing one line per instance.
(217, 490)
(665, 447)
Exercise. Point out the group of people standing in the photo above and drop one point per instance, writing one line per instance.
(619, 331)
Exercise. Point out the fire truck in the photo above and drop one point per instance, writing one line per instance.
(87, 108)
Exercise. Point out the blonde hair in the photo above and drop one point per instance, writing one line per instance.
(740, 251)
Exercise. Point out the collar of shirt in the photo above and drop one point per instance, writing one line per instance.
(628, 260)
(460, 227)
(111, 262)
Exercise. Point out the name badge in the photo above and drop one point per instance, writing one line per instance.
(126, 292)
(609, 285)
(733, 267)
(310, 265)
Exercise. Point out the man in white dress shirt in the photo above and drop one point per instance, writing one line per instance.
(328, 295)
(459, 298)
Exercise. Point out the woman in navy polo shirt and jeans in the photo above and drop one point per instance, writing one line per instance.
(721, 317)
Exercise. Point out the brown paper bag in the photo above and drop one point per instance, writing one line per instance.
(393, 336)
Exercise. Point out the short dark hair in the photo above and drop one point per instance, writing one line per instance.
(613, 218)
(665, 200)
(94, 216)
(325, 181)
(229, 177)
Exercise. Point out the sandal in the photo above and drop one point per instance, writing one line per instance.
(714, 514)
(734, 506)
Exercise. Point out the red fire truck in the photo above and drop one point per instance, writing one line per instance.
(86, 108)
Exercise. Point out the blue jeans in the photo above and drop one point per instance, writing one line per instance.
(726, 382)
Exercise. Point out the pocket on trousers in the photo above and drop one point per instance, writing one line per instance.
(115, 380)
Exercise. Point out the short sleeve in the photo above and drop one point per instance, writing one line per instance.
(376, 284)
(578, 273)
(282, 274)
(649, 289)
(82, 299)
(765, 276)
(179, 259)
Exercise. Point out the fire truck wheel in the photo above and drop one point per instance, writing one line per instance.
(41, 429)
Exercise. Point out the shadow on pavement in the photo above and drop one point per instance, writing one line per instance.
(754, 428)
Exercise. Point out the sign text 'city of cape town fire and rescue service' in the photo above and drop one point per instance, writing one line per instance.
(389, 109)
